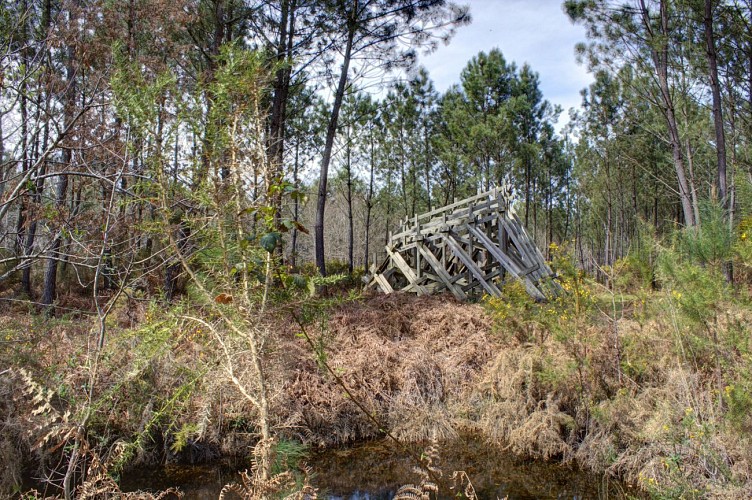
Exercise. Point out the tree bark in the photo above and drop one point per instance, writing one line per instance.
(720, 136)
(350, 225)
(326, 159)
(660, 60)
(2, 163)
(23, 206)
(279, 102)
(42, 168)
(427, 165)
(296, 207)
(69, 99)
(369, 200)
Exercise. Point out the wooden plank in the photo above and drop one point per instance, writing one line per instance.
(543, 272)
(404, 267)
(465, 244)
(485, 210)
(520, 242)
(432, 277)
(488, 277)
(384, 284)
(496, 252)
(533, 248)
(470, 265)
(506, 262)
(441, 272)
(446, 208)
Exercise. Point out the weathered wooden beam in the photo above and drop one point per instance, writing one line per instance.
(404, 267)
(441, 272)
(458, 204)
(487, 277)
(470, 265)
(463, 247)
(528, 252)
(383, 283)
(485, 211)
(519, 239)
(506, 262)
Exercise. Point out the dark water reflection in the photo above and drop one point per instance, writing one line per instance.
(374, 471)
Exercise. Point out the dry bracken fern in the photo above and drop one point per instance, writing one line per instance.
(254, 485)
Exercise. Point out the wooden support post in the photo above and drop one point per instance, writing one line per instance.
(406, 271)
(464, 247)
(417, 253)
(472, 267)
(508, 263)
(441, 272)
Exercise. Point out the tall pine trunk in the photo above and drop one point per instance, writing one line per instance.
(296, 207)
(369, 201)
(720, 136)
(659, 55)
(350, 225)
(69, 102)
(279, 103)
(326, 159)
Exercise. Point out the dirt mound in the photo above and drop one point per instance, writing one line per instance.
(412, 361)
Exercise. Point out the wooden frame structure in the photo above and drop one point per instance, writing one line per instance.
(468, 248)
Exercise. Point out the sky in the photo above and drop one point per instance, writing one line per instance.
(534, 31)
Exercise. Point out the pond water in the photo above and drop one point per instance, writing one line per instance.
(375, 470)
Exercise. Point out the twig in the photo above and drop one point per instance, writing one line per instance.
(349, 393)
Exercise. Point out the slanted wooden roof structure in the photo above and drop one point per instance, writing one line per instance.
(467, 248)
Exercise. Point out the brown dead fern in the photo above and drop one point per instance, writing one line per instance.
(257, 485)
(461, 481)
(428, 471)
(411, 491)
(98, 483)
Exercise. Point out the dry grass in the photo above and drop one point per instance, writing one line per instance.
(411, 361)
(421, 365)
(424, 367)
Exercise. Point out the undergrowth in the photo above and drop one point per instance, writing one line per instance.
(646, 378)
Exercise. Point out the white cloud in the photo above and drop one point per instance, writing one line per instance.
(537, 32)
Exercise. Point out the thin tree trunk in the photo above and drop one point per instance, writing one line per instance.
(527, 192)
(326, 159)
(279, 102)
(403, 174)
(23, 207)
(692, 183)
(720, 136)
(660, 61)
(34, 203)
(388, 207)
(414, 182)
(350, 228)
(50, 274)
(2, 163)
(550, 210)
(296, 206)
(369, 199)
(427, 167)
(31, 235)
